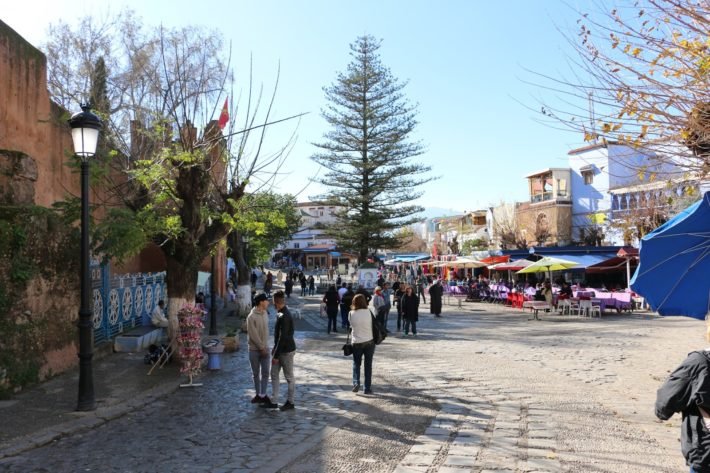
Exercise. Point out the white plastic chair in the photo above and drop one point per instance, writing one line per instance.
(595, 309)
(563, 306)
(582, 308)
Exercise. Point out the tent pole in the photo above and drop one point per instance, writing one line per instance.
(628, 273)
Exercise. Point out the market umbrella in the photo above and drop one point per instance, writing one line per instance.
(516, 265)
(548, 264)
(463, 263)
(674, 264)
(509, 266)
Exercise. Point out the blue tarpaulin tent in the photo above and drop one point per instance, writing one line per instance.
(674, 264)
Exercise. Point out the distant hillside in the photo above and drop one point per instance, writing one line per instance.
(431, 212)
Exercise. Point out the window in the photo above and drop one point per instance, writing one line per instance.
(562, 187)
(588, 177)
(296, 245)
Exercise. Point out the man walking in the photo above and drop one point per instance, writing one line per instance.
(283, 354)
(258, 341)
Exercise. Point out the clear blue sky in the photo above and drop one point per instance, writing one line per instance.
(465, 61)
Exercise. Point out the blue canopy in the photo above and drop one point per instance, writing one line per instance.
(674, 263)
(585, 261)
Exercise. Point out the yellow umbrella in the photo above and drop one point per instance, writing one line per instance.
(548, 264)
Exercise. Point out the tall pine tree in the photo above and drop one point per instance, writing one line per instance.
(367, 154)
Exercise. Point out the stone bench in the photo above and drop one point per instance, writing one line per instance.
(138, 339)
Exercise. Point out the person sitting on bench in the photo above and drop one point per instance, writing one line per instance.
(157, 318)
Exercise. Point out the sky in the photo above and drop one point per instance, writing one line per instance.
(467, 64)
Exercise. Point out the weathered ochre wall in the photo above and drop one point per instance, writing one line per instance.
(559, 219)
(29, 122)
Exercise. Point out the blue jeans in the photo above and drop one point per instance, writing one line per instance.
(260, 365)
(344, 311)
(359, 349)
(332, 318)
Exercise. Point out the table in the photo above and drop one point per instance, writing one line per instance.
(536, 306)
(458, 292)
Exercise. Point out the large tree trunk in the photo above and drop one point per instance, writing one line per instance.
(243, 302)
(181, 279)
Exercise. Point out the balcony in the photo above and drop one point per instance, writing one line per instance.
(541, 197)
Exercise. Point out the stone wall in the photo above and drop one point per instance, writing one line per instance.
(39, 294)
(30, 123)
(556, 217)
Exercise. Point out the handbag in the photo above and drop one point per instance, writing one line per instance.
(348, 347)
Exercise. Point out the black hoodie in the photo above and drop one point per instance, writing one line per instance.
(688, 388)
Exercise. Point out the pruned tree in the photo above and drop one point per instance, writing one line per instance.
(505, 230)
(641, 78)
(592, 235)
(410, 241)
(367, 154)
(176, 179)
(475, 244)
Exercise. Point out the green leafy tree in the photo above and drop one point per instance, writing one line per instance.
(367, 154)
(173, 184)
(267, 219)
(477, 244)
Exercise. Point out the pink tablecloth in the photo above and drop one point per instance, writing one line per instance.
(457, 290)
(617, 300)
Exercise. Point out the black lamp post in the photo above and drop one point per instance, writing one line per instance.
(213, 298)
(85, 127)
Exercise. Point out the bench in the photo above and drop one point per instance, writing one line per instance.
(138, 339)
(536, 306)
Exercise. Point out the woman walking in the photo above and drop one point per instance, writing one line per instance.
(363, 344)
(332, 301)
(410, 310)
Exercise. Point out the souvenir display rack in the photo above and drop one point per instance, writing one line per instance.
(190, 342)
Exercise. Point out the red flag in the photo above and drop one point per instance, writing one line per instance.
(224, 116)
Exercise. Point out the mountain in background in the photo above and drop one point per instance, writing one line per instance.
(433, 212)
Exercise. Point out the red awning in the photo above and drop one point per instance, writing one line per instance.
(628, 251)
(495, 259)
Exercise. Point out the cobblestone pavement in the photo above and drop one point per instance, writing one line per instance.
(480, 390)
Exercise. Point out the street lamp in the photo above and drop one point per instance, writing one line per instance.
(85, 127)
(213, 297)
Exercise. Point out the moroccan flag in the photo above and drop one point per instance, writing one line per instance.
(224, 116)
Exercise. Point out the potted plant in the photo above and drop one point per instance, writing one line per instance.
(230, 340)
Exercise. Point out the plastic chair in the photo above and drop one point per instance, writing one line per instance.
(563, 306)
(585, 307)
(595, 309)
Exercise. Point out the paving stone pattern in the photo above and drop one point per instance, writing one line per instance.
(480, 390)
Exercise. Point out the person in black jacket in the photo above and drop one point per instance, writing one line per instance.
(410, 310)
(687, 390)
(345, 302)
(288, 286)
(332, 302)
(283, 354)
(435, 293)
(364, 292)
